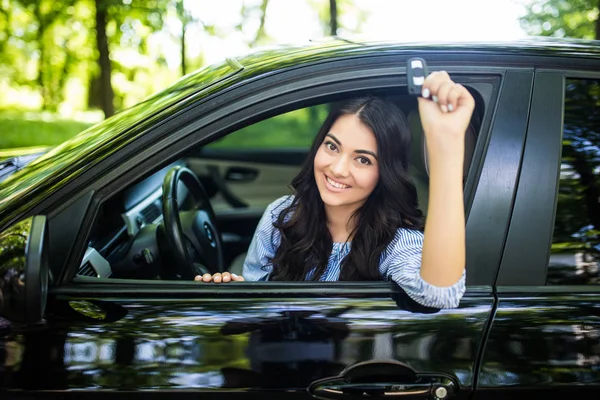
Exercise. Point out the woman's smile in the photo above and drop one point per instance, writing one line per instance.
(335, 186)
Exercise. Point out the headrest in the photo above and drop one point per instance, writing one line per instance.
(419, 155)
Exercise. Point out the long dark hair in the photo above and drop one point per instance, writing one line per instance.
(306, 243)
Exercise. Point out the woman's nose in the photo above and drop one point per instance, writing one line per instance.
(340, 167)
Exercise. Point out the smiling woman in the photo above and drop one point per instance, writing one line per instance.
(354, 212)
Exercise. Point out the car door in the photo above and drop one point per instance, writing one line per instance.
(118, 338)
(545, 339)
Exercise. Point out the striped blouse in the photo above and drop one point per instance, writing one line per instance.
(400, 262)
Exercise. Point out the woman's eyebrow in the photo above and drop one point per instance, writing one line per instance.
(334, 139)
(367, 152)
(356, 151)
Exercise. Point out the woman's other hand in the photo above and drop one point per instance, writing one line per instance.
(224, 277)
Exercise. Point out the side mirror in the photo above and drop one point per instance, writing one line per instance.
(24, 270)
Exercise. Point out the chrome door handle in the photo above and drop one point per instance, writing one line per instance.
(381, 379)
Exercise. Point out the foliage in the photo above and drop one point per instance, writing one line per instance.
(49, 54)
(293, 129)
(562, 18)
(577, 223)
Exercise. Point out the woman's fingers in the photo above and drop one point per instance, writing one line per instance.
(432, 83)
(224, 277)
(453, 96)
(447, 94)
(446, 113)
(442, 94)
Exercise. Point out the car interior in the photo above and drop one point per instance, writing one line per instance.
(199, 213)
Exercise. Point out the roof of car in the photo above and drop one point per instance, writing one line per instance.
(21, 190)
(539, 45)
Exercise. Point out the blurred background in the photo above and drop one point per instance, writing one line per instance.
(65, 65)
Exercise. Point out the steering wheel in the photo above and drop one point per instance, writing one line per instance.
(192, 235)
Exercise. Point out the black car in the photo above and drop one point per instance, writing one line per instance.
(94, 301)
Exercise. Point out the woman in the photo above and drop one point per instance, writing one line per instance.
(353, 214)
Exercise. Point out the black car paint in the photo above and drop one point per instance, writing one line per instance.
(241, 342)
(512, 341)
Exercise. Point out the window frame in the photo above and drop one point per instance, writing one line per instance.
(237, 108)
(531, 229)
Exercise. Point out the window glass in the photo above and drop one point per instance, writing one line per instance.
(290, 130)
(241, 174)
(575, 247)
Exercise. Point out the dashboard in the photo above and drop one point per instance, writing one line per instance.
(124, 241)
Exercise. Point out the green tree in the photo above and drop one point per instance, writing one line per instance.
(255, 11)
(185, 18)
(44, 28)
(121, 23)
(563, 18)
(339, 17)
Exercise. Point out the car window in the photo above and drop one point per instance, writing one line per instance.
(575, 249)
(242, 173)
(292, 129)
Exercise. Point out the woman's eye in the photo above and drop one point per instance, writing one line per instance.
(364, 161)
(331, 146)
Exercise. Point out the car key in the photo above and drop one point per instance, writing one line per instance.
(416, 72)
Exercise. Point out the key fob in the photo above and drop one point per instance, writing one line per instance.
(416, 71)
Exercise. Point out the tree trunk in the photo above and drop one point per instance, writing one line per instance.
(260, 32)
(333, 22)
(184, 19)
(106, 90)
(62, 80)
(183, 66)
(42, 49)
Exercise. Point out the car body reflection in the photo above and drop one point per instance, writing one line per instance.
(233, 345)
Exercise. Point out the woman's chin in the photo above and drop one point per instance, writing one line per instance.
(334, 200)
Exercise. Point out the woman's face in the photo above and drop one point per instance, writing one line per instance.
(346, 165)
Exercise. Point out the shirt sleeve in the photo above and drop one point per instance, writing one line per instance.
(402, 264)
(266, 240)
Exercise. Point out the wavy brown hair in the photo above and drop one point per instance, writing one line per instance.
(306, 243)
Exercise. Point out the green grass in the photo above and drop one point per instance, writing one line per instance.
(26, 130)
(292, 129)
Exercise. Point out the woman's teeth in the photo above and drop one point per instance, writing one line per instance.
(335, 184)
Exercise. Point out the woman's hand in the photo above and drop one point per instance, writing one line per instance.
(224, 277)
(445, 109)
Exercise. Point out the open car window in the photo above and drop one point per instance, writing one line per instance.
(241, 173)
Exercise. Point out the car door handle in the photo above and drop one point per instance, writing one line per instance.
(237, 174)
(384, 378)
(227, 194)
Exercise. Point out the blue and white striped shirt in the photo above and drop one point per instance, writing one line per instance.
(400, 262)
